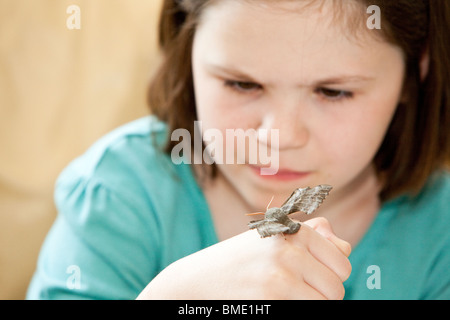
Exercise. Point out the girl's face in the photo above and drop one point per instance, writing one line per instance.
(331, 94)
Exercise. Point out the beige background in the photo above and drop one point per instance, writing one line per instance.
(60, 90)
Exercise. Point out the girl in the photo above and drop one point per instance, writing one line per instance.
(364, 110)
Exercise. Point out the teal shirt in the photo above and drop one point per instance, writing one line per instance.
(125, 212)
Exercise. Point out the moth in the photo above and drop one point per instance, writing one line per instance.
(276, 220)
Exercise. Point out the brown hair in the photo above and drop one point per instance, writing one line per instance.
(417, 142)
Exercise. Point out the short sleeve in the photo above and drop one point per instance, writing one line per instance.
(119, 223)
(103, 245)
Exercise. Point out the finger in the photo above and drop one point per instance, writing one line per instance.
(323, 226)
(307, 292)
(296, 288)
(325, 251)
(324, 280)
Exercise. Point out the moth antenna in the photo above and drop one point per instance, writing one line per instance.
(254, 213)
(259, 213)
(270, 203)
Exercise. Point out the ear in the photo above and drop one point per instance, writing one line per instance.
(424, 64)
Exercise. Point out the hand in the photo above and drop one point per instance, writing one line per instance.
(311, 264)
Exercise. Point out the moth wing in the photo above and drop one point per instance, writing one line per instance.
(267, 228)
(306, 200)
(290, 205)
(255, 223)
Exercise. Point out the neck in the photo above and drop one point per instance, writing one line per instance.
(352, 209)
(226, 206)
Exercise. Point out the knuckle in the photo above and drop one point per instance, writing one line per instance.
(322, 221)
(338, 292)
(346, 270)
(320, 225)
(318, 222)
(347, 248)
(335, 289)
(286, 250)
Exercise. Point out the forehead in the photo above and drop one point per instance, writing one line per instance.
(348, 16)
(270, 37)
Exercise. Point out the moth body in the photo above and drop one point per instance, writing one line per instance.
(276, 220)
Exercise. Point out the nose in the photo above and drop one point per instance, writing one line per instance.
(290, 120)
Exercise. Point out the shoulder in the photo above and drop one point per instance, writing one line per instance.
(118, 147)
(125, 211)
(420, 231)
(431, 204)
(120, 159)
(125, 169)
(111, 179)
(426, 214)
(408, 243)
(127, 177)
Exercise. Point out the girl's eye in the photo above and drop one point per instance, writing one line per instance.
(242, 86)
(332, 94)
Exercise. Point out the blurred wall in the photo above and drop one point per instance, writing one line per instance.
(60, 90)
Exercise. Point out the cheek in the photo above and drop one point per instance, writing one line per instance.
(353, 144)
(218, 108)
(206, 101)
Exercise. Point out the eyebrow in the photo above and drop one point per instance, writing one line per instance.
(345, 79)
(229, 71)
(335, 80)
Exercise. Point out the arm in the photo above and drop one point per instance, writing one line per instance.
(311, 264)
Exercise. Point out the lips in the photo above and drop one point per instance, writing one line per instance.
(282, 174)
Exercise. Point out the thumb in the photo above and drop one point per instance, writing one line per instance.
(323, 227)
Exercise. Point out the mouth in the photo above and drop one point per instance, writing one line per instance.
(281, 175)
